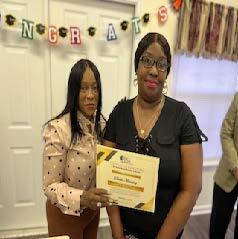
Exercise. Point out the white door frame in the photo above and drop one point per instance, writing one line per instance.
(136, 37)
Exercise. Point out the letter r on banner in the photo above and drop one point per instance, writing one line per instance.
(75, 35)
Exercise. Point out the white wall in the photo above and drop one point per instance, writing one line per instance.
(169, 28)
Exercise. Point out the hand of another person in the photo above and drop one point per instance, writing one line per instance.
(95, 198)
(235, 173)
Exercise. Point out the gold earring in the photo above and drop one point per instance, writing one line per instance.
(135, 82)
(165, 88)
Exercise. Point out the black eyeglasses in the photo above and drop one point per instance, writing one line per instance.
(161, 64)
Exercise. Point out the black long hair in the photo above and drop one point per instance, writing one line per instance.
(72, 104)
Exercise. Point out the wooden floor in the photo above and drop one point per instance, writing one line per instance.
(196, 228)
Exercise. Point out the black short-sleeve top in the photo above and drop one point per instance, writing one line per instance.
(176, 126)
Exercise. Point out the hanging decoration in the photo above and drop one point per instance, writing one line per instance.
(124, 25)
(40, 29)
(10, 20)
(74, 32)
(91, 31)
(52, 34)
(27, 29)
(177, 4)
(111, 34)
(75, 36)
(162, 14)
(135, 22)
(146, 17)
(63, 32)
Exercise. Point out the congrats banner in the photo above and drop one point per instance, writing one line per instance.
(53, 33)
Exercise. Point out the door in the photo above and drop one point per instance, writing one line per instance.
(113, 58)
(22, 103)
(27, 87)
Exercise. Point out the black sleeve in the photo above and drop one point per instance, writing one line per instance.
(190, 132)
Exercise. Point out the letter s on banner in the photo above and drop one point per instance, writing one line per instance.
(162, 14)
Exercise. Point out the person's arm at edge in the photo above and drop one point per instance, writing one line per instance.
(227, 137)
(113, 211)
(191, 185)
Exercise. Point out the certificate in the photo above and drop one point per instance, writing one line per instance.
(131, 178)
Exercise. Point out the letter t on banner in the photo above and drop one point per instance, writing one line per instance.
(135, 22)
(75, 35)
(27, 29)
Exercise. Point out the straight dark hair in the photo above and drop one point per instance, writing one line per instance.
(72, 103)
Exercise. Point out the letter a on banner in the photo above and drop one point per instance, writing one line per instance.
(75, 35)
(27, 29)
(135, 22)
(111, 34)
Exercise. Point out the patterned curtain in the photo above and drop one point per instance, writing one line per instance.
(208, 30)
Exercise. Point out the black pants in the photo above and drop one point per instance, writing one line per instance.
(222, 208)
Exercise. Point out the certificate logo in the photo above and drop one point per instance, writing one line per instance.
(124, 159)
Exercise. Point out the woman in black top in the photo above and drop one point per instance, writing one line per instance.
(157, 125)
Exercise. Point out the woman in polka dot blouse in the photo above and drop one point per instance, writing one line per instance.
(69, 172)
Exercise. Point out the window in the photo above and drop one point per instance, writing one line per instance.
(207, 87)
